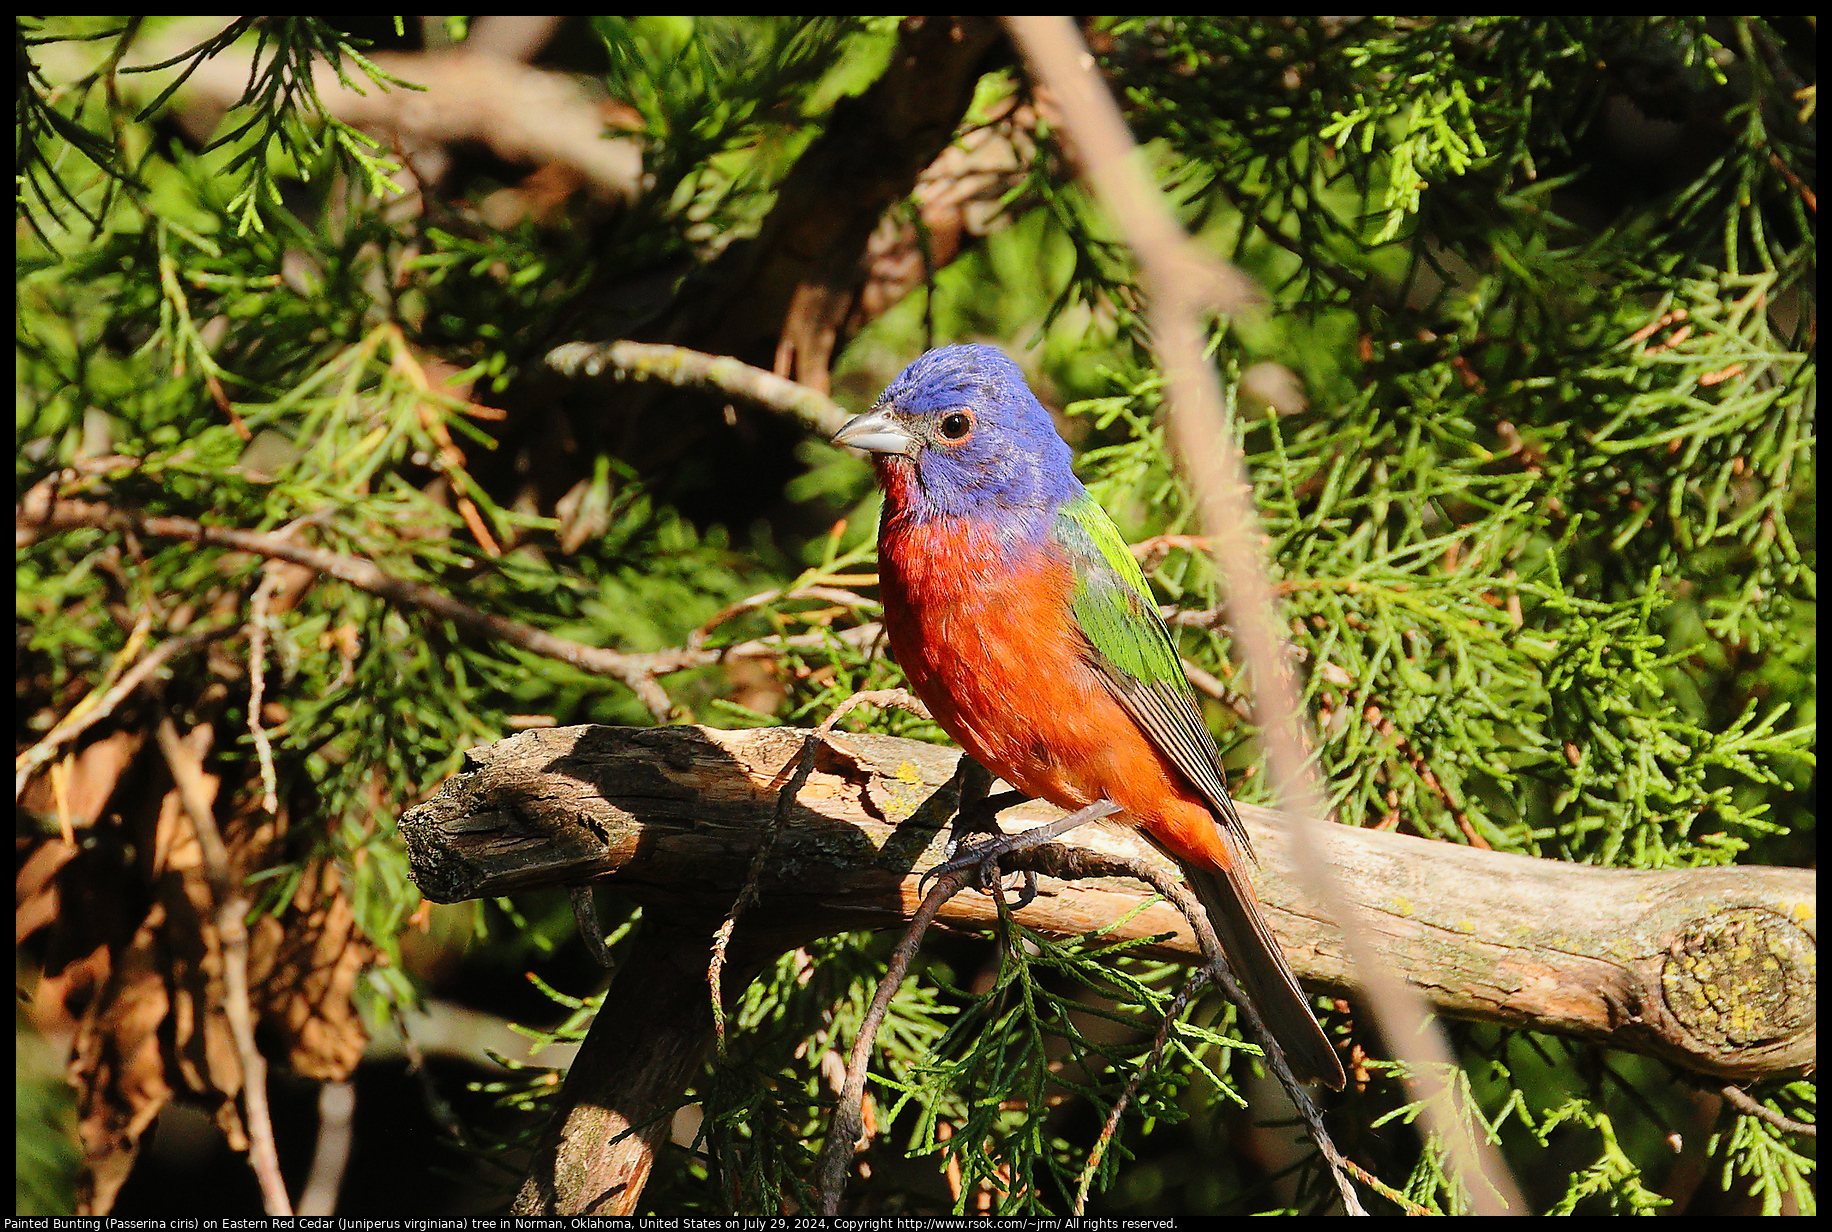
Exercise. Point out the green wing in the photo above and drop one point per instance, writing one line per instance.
(1129, 645)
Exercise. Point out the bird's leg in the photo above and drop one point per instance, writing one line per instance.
(976, 812)
(982, 817)
(985, 856)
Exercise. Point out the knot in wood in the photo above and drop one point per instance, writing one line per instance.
(1741, 978)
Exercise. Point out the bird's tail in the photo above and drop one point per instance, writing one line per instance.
(1263, 973)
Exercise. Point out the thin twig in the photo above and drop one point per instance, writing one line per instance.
(232, 937)
(61, 770)
(331, 1155)
(1787, 173)
(1172, 888)
(848, 1116)
(662, 662)
(782, 594)
(1386, 727)
(685, 369)
(1210, 685)
(843, 1135)
(804, 766)
(86, 714)
(636, 671)
(257, 687)
(1151, 552)
(1184, 283)
(1197, 981)
(1385, 1190)
(451, 458)
(1743, 1101)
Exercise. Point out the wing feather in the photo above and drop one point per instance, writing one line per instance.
(1130, 646)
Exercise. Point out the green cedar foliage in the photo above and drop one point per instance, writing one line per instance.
(1543, 525)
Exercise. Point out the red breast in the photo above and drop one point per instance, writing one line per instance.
(990, 644)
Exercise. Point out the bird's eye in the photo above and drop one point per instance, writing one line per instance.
(956, 425)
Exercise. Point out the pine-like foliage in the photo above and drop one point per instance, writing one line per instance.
(1530, 419)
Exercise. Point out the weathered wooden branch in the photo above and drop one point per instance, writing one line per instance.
(1712, 969)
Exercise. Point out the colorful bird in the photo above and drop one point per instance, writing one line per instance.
(1027, 628)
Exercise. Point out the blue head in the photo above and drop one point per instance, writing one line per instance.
(960, 435)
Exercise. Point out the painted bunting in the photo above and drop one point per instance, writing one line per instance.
(1027, 628)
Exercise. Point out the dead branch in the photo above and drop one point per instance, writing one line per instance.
(101, 703)
(678, 366)
(1711, 969)
(197, 797)
(637, 671)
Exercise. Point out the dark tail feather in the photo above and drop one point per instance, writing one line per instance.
(1263, 973)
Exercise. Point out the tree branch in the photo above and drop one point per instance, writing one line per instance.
(1710, 968)
(99, 705)
(789, 292)
(638, 671)
(197, 794)
(685, 369)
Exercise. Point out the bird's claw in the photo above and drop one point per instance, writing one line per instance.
(983, 859)
(985, 856)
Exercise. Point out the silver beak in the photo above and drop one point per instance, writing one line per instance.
(876, 432)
